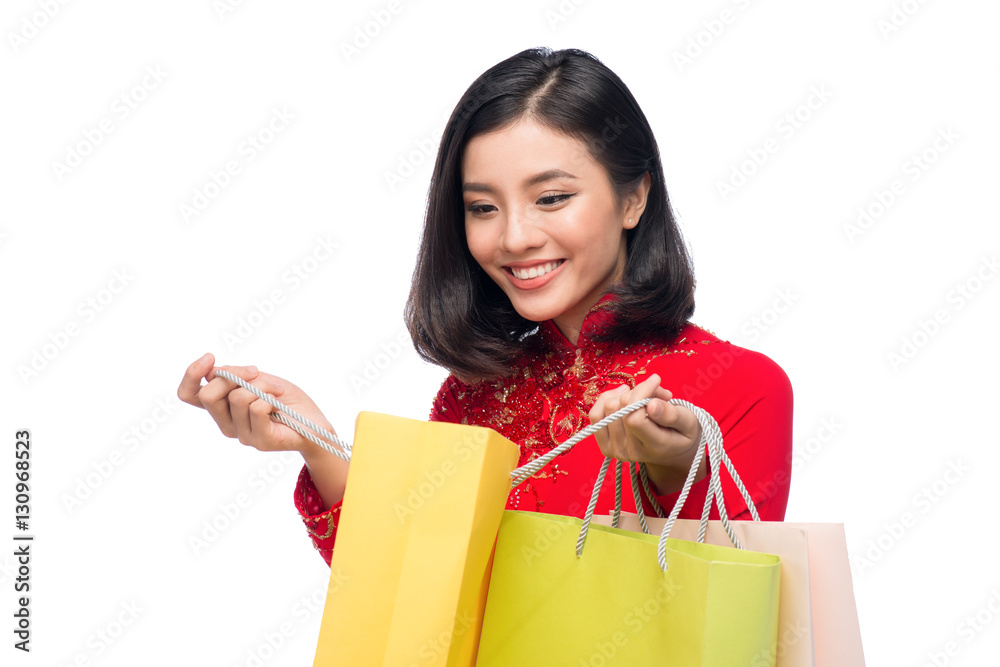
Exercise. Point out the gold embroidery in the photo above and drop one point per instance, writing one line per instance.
(552, 387)
(545, 473)
(577, 367)
(329, 529)
(624, 377)
(504, 392)
(703, 329)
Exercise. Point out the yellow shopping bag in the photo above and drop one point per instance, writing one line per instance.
(568, 592)
(613, 605)
(410, 570)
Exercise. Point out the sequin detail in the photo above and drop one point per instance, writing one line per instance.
(552, 386)
(321, 524)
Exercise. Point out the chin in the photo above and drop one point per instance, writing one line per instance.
(535, 313)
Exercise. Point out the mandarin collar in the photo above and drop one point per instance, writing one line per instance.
(595, 321)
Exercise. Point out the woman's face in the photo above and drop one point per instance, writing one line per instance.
(542, 220)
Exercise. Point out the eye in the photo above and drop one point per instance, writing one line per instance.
(553, 200)
(480, 209)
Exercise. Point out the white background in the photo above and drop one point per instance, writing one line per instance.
(781, 241)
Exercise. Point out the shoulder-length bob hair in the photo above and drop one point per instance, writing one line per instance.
(457, 316)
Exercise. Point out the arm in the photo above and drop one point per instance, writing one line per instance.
(240, 414)
(319, 495)
(751, 399)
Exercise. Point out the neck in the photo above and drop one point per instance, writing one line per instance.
(572, 333)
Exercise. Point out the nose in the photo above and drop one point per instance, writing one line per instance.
(521, 233)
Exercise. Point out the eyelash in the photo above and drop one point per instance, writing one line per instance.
(547, 200)
(556, 198)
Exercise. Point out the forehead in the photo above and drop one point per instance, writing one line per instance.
(516, 152)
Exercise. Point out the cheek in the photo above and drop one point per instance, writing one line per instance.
(592, 232)
(480, 242)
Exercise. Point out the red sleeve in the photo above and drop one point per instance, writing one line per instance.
(322, 525)
(750, 397)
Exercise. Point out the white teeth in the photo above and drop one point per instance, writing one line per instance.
(535, 271)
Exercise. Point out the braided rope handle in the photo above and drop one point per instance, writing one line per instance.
(711, 441)
(638, 500)
(711, 438)
(588, 516)
(644, 476)
(530, 468)
(345, 448)
(517, 476)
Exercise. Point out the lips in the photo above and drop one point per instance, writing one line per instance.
(531, 275)
(534, 271)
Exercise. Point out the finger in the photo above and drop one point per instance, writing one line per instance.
(646, 388)
(247, 373)
(635, 430)
(240, 402)
(270, 384)
(239, 412)
(662, 393)
(262, 428)
(617, 435)
(668, 415)
(244, 398)
(667, 441)
(266, 383)
(659, 400)
(598, 412)
(190, 384)
(215, 396)
(219, 387)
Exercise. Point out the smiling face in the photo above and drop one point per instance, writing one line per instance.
(543, 221)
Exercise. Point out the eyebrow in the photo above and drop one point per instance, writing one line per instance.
(534, 180)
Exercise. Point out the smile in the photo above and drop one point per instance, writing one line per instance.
(534, 271)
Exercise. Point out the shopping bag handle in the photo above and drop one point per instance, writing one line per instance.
(530, 468)
(711, 440)
(344, 450)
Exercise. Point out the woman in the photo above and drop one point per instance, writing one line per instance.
(553, 283)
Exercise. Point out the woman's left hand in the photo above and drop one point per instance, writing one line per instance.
(662, 435)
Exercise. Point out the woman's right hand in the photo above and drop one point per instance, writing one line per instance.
(240, 414)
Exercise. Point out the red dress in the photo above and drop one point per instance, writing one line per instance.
(548, 396)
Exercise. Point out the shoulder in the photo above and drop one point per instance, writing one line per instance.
(698, 363)
(472, 401)
(447, 404)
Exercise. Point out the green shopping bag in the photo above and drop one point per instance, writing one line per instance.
(620, 602)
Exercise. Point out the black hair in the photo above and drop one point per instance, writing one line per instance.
(457, 316)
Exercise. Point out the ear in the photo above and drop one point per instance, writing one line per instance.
(635, 203)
